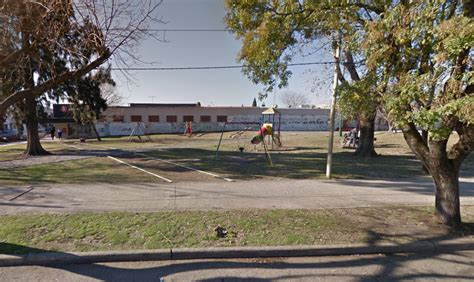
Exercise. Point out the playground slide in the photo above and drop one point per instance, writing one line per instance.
(265, 130)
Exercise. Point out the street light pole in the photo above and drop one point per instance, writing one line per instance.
(332, 114)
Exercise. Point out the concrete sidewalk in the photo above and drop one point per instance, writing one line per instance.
(419, 247)
(259, 194)
(458, 266)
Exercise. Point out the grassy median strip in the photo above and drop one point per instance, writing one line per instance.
(128, 231)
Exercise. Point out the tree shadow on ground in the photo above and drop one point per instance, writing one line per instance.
(391, 266)
(293, 166)
(255, 165)
(64, 172)
(419, 186)
(386, 146)
(294, 149)
(297, 164)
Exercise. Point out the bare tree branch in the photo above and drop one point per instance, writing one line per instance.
(107, 28)
(293, 99)
(40, 89)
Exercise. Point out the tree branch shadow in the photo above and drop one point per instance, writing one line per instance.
(391, 266)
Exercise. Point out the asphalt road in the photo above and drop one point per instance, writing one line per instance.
(414, 267)
(216, 195)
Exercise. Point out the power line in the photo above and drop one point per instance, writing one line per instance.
(179, 29)
(210, 67)
(190, 30)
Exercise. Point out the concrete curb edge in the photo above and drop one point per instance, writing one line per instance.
(56, 258)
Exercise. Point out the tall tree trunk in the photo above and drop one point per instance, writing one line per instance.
(34, 147)
(365, 147)
(95, 131)
(446, 178)
(447, 195)
(444, 171)
(424, 135)
(366, 140)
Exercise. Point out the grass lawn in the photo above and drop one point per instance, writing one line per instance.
(158, 140)
(15, 152)
(303, 156)
(90, 170)
(122, 231)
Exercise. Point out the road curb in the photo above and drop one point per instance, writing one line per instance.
(48, 259)
(56, 258)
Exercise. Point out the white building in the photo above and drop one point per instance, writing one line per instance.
(170, 118)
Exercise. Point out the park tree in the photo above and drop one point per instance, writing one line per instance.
(293, 99)
(87, 97)
(422, 54)
(46, 44)
(418, 68)
(272, 32)
(109, 93)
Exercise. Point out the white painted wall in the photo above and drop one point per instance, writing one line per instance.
(122, 129)
(291, 119)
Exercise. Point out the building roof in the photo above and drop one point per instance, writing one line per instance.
(162, 105)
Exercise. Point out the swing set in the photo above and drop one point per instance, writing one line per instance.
(249, 126)
(269, 128)
(139, 131)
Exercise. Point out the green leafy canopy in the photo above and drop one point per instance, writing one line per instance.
(422, 51)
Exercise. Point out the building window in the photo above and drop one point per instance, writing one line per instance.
(136, 118)
(117, 118)
(171, 119)
(188, 118)
(154, 118)
(205, 118)
(102, 118)
(221, 118)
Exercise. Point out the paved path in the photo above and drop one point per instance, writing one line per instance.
(447, 267)
(266, 194)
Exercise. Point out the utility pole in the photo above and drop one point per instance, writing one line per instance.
(341, 124)
(152, 98)
(332, 114)
(341, 119)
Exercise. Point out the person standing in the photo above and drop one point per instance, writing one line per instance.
(60, 133)
(353, 137)
(190, 128)
(186, 126)
(52, 132)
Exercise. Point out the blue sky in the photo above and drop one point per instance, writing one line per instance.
(228, 87)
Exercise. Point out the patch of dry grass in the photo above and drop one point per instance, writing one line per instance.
(303, 156)
(90, 170)
(122, 231)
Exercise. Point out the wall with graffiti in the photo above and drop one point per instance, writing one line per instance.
(288, 123)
